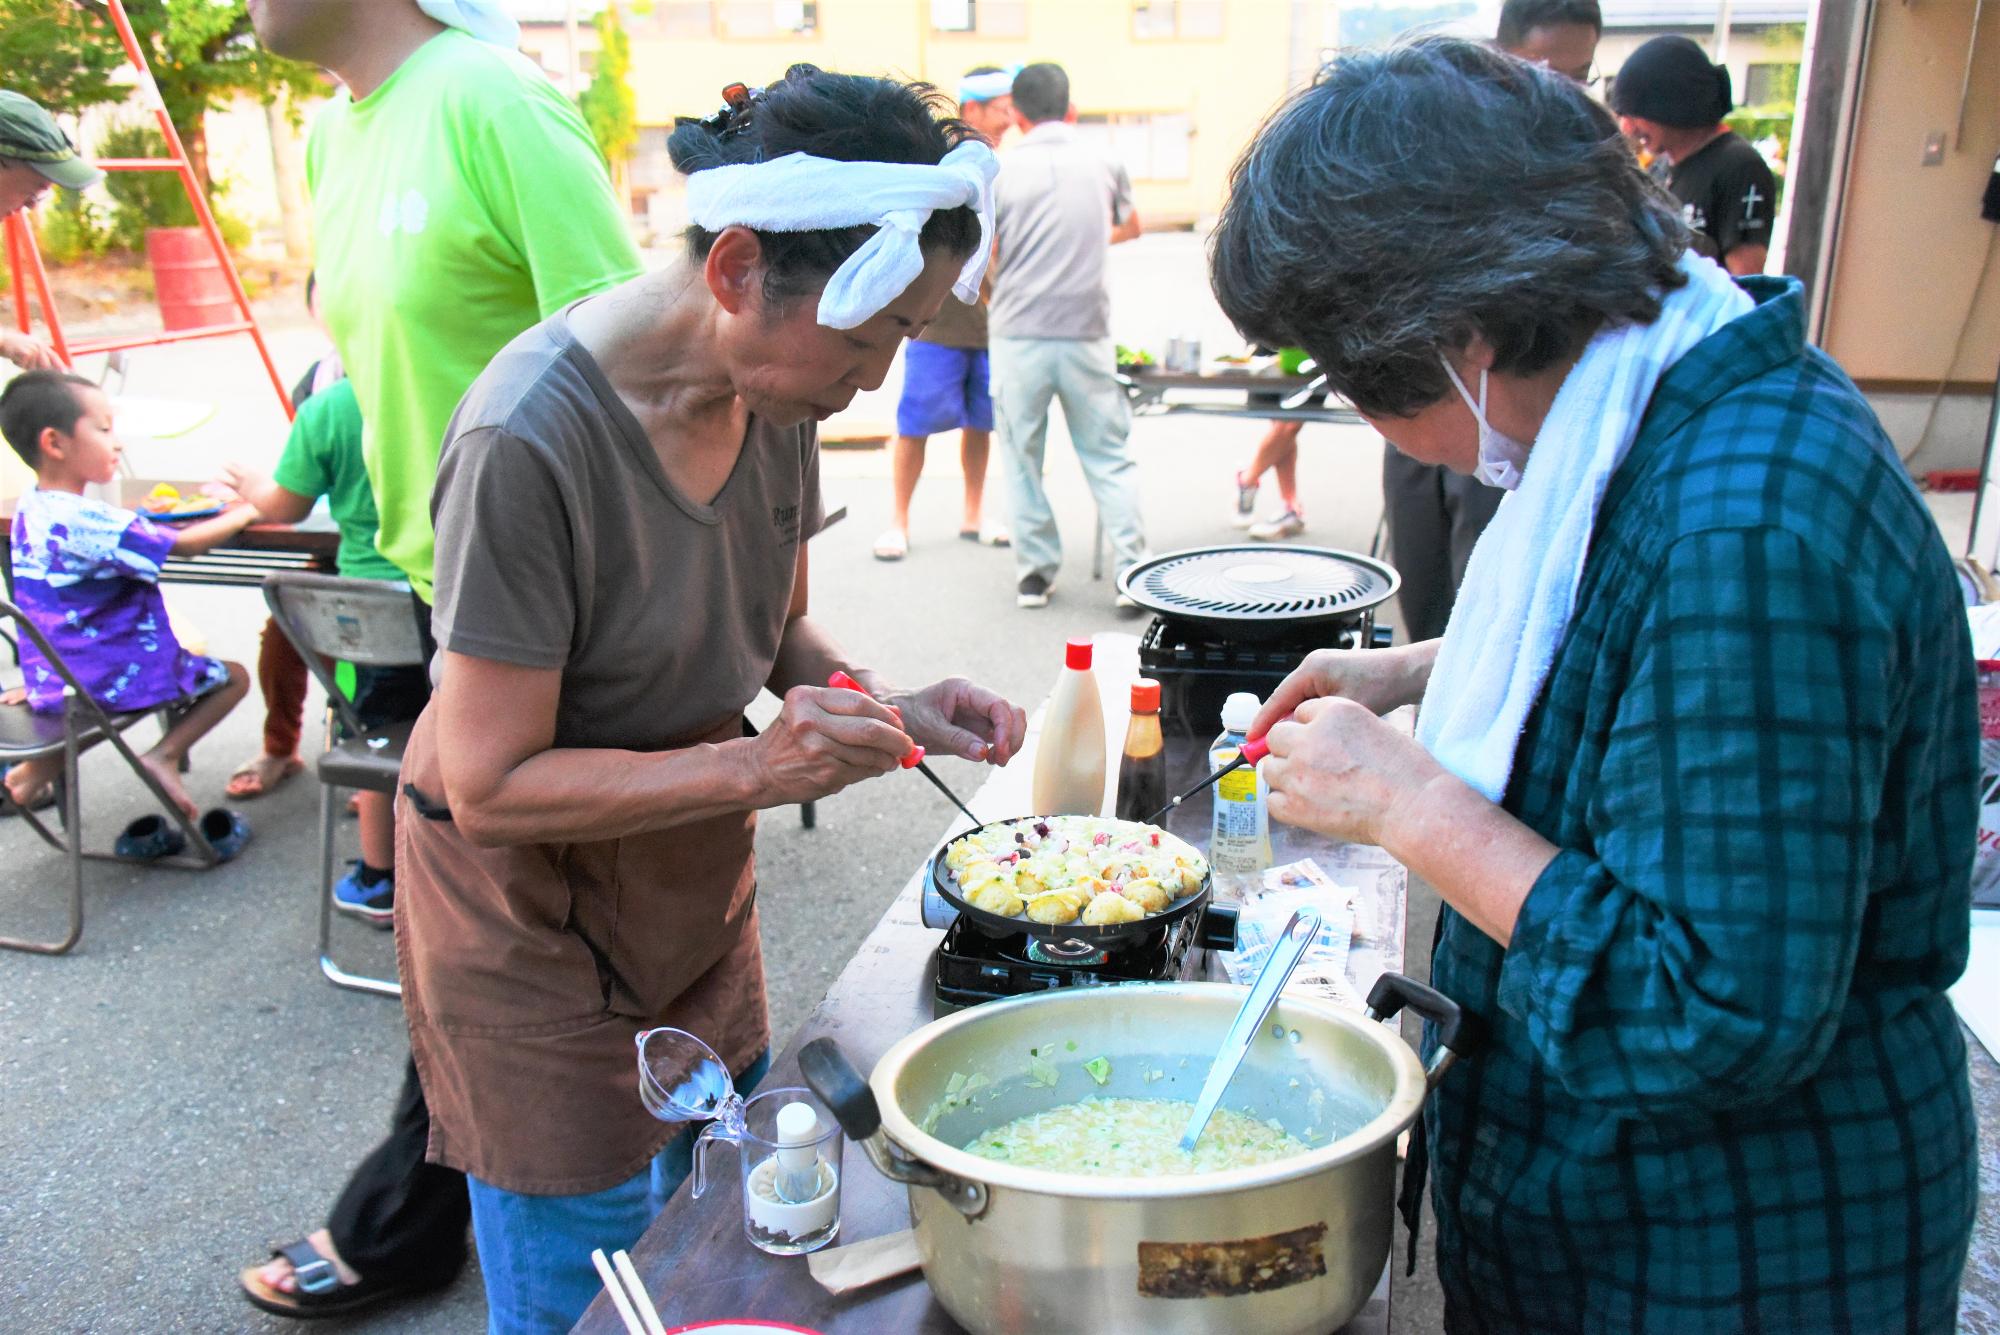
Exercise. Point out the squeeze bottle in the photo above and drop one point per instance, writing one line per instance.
(1239, 845)
(1069, 756)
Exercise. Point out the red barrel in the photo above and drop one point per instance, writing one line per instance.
(188, 279)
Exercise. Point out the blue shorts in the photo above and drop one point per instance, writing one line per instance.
(943, 389)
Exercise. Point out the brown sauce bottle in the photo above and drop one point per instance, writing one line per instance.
(1142, 768)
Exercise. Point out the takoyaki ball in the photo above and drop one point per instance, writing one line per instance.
(996, 896)
(1148, 894)
(1029, 883)
(1109, 908)
(1053, 909)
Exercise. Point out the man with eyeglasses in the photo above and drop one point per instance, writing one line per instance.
(1561, 34)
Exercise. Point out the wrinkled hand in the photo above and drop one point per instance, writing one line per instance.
(957, 718)
(1378, 679)
(1337, 768)
(27, 352)
(822, 741)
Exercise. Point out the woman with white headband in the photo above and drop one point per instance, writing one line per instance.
(622, 511)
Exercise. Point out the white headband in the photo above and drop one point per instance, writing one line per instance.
(985, 87)
(803, 193)
(484, 19)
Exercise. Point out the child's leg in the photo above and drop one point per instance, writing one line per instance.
(26, 780)
(163, 762)
(377, 818)
(1285, 461)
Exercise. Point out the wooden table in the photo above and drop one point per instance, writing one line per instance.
(695, 1260)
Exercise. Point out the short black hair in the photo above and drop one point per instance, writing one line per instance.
(845, 117)
(1518, 18)
(35, 401)
(1041, 92)
(1366, 226)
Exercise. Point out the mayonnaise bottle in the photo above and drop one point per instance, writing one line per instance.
(1239, 844)
(1069, 755)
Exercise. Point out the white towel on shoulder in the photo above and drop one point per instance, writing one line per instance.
(1520, 585)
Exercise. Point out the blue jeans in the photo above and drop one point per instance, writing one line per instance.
(534, 1251)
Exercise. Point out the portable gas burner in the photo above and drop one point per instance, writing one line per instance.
(973, 966)
(1241, 618)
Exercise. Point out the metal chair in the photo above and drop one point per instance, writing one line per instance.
(369, 623)
(26, 735)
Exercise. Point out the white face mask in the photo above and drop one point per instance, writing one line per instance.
(1501, 457)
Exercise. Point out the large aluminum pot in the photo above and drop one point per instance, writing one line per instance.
(1291, 1246)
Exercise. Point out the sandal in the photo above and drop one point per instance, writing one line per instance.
(320, 1292)
(992, 537)
(226, 832)
(250, 779)
(893, 545)
(147, 838)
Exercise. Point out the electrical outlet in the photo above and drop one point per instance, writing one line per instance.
(1933, 148)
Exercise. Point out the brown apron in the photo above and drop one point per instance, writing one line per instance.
(528, 970)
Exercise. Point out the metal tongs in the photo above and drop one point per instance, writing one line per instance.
(1286, 952)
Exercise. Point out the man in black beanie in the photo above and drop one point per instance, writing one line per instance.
(1671, 100)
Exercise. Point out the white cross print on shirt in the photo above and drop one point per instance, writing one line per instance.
(1750, 200)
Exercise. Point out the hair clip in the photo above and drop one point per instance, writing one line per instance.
(737, 101)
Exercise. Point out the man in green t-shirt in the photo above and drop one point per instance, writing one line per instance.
(457, 200)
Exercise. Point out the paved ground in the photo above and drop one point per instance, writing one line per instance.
(185, 1088)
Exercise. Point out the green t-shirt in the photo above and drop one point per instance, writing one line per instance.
(323, 458)
(453, 207)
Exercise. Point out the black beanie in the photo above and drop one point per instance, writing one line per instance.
(1671, 80)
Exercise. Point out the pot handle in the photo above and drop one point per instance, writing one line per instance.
(841, 1088)
(1458, 1031)
(852, 1102)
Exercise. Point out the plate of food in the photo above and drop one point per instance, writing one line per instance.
(166, 502)
(1079, 878)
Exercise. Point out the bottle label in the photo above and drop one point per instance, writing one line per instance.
(1238, 786)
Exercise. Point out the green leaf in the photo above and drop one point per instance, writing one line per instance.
(1100, 1069)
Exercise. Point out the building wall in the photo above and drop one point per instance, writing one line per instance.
(1904, 303)
(1222, 82)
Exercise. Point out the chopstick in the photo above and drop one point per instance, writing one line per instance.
(628, 1293)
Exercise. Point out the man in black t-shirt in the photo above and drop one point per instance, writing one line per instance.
(1671, 100)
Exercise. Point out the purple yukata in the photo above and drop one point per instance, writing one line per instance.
(87, 574)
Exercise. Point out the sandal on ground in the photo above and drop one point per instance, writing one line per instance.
(226, 832)
(147, 838)
(320, 1292)
(248, 781)
(992, 537)
(893, 545)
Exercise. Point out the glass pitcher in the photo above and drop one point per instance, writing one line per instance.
(788, 1144)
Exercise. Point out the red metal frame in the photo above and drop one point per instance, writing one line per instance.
(24, 261)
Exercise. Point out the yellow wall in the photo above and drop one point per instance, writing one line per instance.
(1912, 246)
(1225, 84)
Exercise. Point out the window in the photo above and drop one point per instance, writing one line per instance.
(1163, 20)
(1768, 85)
(1154, 146)
(987, 18)
(766, 18)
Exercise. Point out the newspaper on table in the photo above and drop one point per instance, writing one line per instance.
(1360, 898)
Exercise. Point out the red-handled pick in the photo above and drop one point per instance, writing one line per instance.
(1248, 754)
(914, 757)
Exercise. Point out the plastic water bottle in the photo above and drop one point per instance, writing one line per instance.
(1239, 843)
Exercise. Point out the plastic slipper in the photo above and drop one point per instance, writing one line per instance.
(320, 1292)
(147, 838)
(226, 831)
(893, 545)
(248, 782)
(992, 537)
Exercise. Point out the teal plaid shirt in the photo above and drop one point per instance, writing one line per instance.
(1724, 1090)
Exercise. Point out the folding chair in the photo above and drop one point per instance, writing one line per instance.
(26, 735)
(369, 623)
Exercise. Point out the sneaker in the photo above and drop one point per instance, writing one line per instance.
(1033, 591)
(1289, 524)
(1246, 502)
(373, 904)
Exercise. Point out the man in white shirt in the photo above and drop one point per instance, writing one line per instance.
(1062, 205)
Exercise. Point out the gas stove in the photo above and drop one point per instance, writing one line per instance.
(973, 967)
(1241, 618)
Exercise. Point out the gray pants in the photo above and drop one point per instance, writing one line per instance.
(1435, 515)
(1027, 374)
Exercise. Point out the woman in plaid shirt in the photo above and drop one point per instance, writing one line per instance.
(1699, 788)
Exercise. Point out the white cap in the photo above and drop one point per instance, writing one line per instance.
(798, 1124)
(1239, 711)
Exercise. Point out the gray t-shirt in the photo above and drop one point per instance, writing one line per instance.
(562, 544)
(1057, 199)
